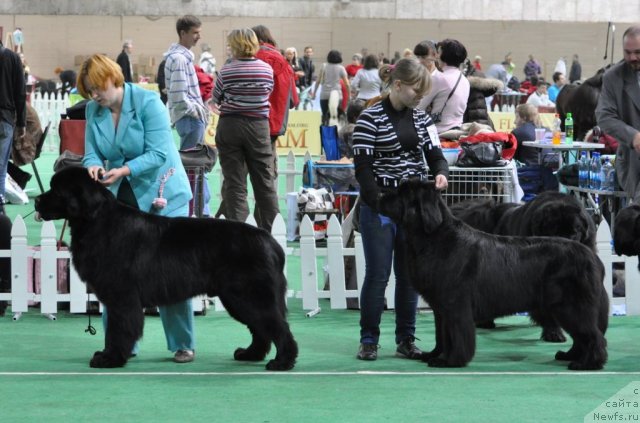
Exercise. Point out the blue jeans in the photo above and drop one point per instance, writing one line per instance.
(383, 244)
(6, 139)
(191, 131)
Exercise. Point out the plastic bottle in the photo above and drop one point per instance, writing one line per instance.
(556, 137)
(608, 176)
(568, 129)
(583, 170)
(594, 175)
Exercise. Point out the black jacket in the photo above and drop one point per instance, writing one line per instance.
(479, 89)
(13, 91)
(123, 61)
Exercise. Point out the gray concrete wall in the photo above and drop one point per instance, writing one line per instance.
(498, 10)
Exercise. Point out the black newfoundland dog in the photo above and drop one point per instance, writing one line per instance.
(132, 260)
(467, 275)
(550, 213)
(626, 231)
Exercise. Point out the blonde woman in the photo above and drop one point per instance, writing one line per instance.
(393, 141)
(242, 136)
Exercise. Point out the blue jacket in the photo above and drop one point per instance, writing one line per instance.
(144, 142)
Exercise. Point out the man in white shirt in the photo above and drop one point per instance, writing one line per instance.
(540, 97)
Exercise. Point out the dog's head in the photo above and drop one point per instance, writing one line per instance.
(626, 232)
(73, 195)
(562, 215)
(416, 205)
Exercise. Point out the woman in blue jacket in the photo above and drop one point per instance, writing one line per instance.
(129, 148)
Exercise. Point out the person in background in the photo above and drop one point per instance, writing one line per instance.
(447, 99)
(243, 135)
(476, 63)
(367, 83)
(559, 81)
(129, 129)
(427, 53)
(617, 113)
(392, 141)
(575, 74)
(329, 80)
(355, 65)
(291, 55)
(124, 60)
(207, 61)
(18, 40)
(540, 98)
(68, 79)
(345, 133)
(13, 114)
(532, 68)
(527, 119)
(284, 95)
(306, 63)
(561, 66)
(160, 80)
(188, 113)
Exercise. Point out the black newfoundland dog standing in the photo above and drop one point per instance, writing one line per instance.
(550, 213)
(467, 275)
(132, 260)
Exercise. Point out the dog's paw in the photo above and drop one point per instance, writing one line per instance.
(566, 355)
(279, 365)
(246, 354)
(101, 360)
(426, 356)
(576, 365)
(553, 335)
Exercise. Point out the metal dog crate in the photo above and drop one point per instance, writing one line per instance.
(466, 183)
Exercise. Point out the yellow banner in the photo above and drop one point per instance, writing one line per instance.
(303, 133)
(505, 121)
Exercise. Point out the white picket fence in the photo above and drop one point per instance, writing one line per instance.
(313, 259)
(49, 108)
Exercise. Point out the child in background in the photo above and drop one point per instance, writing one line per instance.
(346, 132)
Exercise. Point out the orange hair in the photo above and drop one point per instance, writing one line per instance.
(98, 69)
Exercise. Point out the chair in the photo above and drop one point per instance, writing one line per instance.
(43, 137)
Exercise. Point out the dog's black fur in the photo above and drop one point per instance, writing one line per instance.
(550, 213)
(626, 231)
(133, 259)
(467, 275)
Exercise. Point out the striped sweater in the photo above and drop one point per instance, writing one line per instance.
(382, 161)
(243, 88)
(183, 91)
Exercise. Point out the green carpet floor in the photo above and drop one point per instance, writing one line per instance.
(45, 377)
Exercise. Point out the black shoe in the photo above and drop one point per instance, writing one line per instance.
(368, 352)
(407, 349)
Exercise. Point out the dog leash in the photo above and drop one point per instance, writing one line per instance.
(90, 329)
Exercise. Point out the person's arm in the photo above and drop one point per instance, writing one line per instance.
(92, 156)
(345, 80)
(355, 84)
(19, 96)
(319, 81)
(364, 136)
(609, 117)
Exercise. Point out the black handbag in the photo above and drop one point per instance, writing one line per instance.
(202, 155)
(481, 154)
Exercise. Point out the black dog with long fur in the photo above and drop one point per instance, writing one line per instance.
(133, 259)
(467, 275)
(550, 213)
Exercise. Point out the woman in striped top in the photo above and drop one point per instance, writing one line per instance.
(392, 142)
(242, 137)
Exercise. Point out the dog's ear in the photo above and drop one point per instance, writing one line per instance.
(391, 205)
(429, 206)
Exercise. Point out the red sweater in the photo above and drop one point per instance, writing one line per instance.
(284, 94)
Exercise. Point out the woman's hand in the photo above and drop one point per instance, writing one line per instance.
(441, 182)
(96, 172)
(113, 175)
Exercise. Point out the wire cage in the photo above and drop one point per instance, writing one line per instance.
(467, 183)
